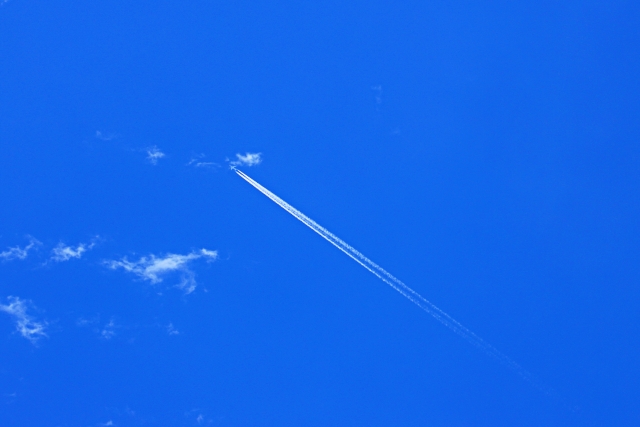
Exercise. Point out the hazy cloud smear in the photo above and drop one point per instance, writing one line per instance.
(154, 268)
(171, 330)
(154, 154)
(197, 162)
(105, 331)
(401, 288)
(377, 90)
(63, 253)
(18, 252)
(105, 136)
(26, 325)
(248, 159)
(109, 330)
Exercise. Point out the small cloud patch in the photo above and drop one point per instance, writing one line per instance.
(18, 252)
(377, 91)
(248, 159)
(171, 330)
(106, 331)
(109, 330)
(154, 154)
(63, 253)
(105, 136)
(198, 162)
(154, 268)
(26, 325)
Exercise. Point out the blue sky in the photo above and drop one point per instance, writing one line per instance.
(485, 154)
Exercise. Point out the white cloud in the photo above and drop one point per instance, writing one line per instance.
(153, 154)
(212, 255)
(18, 252)
(248, 159)
(171, 330)
(64, 253)
(82, 322)
(109, 330)
(154, 269)
(106, 331)
(197, 162)
(206, 165)
(378, 93)
(26, 325)
(105, 136)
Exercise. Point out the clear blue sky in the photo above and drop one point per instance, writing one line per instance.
(487, 154)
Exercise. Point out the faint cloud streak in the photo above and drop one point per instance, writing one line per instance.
(109, 330)
(18, 252)
(26, 325)
(105, 136)
(196, 162)
(171, 330)
(248, 159)
(154, 268)
(63, 253)
(378, 94)
(154, 154)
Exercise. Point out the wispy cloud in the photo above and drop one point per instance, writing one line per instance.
(248, 159)
(171, 330)
(104, 330)
(18, 252)
(154, 268)
(198, 162)
(63, 252)
(377, 90)
(105, 136)
(83, 321)
(154, 154)
(197, 415)
(109, 330)
(26, 325)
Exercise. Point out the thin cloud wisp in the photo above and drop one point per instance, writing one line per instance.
(154, 268)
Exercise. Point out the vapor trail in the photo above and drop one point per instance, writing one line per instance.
(399, 286)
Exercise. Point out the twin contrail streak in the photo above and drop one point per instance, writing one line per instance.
(396, 284)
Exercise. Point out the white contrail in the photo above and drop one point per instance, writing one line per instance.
(398, 285)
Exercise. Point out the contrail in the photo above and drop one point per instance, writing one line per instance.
(399, 286)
